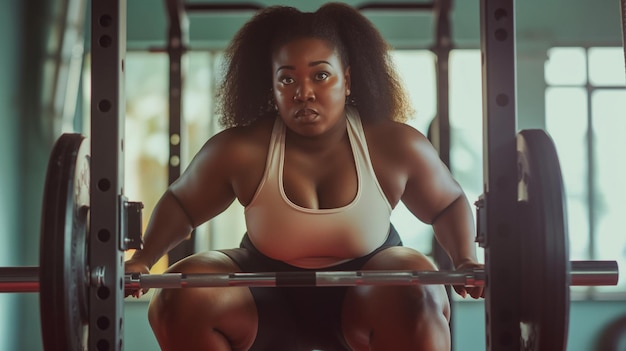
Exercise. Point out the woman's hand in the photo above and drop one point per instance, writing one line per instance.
(135, 266)
(474, 291)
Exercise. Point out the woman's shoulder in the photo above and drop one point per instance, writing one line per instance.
(392, 134)
(240, 143)
(257, 132)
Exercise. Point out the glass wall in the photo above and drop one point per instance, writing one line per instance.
(586, 116)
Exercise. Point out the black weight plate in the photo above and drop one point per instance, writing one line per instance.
(62, 259)
(545, 248)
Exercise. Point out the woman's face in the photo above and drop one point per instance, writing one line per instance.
(310, 85)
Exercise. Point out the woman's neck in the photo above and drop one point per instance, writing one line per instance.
(321, 143)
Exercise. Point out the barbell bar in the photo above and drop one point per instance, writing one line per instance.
(582, 273)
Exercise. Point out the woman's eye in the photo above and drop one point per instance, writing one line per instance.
(321, 75)
(286, 80)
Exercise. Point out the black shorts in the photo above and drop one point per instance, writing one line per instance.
(298, 318)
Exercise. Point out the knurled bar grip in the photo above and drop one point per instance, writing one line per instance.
(582, 273)
(301, 279)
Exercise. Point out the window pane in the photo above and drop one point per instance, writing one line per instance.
(147, 136)
(606, 66)
(417, 70)
(566, 66)
(466, 154)
(609, 128)
(203, 76)
(466, 120)
(197, 102)
(566, 122)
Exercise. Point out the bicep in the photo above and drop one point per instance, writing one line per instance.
(205, 188)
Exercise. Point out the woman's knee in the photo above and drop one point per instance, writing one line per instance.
(172, 302)
(407, 303)
(415, 301)
(197, 312)
(204, 262)
(400, 258)
(402, 315)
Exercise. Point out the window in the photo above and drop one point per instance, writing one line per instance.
(417, 70)
(585, 110)
(417, 67)
(147, 145)
(466, 124)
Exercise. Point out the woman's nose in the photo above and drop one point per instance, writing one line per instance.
(304, 92)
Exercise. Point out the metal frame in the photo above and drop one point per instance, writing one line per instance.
(178, 36)
(394, 6)
(177, 45)
(107, 111)
(177, 39)
(440, 126)
(108, 48)
(623, 15)
(441, 49)
(499, 234)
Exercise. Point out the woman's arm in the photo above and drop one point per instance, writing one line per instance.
(203, 191)
(435, 197)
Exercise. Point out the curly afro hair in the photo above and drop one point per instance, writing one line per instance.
(246, 91)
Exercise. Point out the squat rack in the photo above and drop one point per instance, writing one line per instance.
(106, 239)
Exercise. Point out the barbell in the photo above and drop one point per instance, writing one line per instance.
(582, 273)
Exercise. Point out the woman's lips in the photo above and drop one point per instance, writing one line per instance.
(306, 115)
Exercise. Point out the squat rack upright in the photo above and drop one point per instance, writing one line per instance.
(106, 237)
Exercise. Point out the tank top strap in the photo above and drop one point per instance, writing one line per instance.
(356, 129)
(275, 150)
(273, 159)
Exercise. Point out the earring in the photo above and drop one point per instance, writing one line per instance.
(350, 100)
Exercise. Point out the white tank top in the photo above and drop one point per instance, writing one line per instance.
(317, 238)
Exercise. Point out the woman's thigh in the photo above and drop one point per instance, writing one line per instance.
(367, 308)
(201, 316)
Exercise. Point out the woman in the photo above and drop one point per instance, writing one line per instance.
(317, 153)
